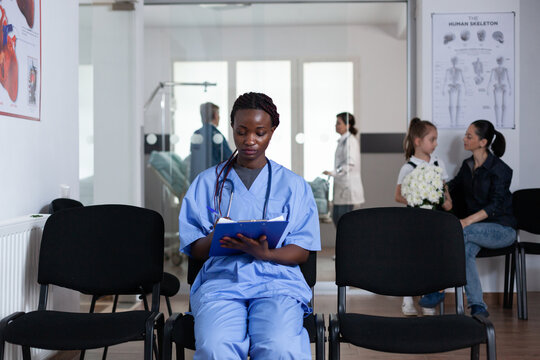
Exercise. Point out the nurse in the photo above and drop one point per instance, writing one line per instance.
(252, 303)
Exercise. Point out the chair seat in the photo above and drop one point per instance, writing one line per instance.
(423, 335)
(55, 330)
(169, 285)
(530, 247)
(485, 252)
(183, 332)
(311, 327)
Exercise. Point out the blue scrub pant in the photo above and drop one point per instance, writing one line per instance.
(266, 328)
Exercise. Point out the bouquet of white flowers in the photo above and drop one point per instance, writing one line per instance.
(424, 187)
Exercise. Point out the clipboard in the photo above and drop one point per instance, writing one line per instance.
(251, 228)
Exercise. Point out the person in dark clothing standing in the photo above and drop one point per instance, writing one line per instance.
(208, 145)
(482, 187)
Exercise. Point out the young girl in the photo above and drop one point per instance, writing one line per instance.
(419, 144)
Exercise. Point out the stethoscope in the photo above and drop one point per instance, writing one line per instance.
(266, 198)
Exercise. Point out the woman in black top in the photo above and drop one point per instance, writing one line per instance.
(483, 185)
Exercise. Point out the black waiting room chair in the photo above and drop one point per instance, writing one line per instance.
(63, 204)
(169, 286)
(96, 250)
(526, 203)
(179, 327)
(404, 252)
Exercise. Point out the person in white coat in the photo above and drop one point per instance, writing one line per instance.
(348, 188)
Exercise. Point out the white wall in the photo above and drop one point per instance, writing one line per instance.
(522, 142)
(117, 57)
(381, 104)
(530, 118)
(529, 132)
(450, 146)
(37, 156)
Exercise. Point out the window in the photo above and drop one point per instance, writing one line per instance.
(86, 133)
(327, 90)
(188, 98)
(274, 79)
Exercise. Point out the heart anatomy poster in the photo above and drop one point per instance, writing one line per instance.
(20, 58)
(473, 69)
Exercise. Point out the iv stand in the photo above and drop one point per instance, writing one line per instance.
(159, 88)
(163, 84)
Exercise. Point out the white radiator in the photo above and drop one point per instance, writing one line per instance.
(19, 254)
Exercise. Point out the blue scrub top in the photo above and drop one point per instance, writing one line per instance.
(242, 276)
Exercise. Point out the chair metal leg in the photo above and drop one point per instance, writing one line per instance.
(26, 353)
(92, 308)
(160, 329)
(115, 303)
(145, 302)
(106, 348)
(169, 307)
(167, 339)
(514, 276)
(490, 336)
(148, 345)
(150, 340)
(490, 346)
(475, 352)
(508, 292)
(333, 333)
(519, 283)
(180, 353)
(523, 266)
(320, 338)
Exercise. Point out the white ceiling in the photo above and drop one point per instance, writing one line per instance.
(275, 14)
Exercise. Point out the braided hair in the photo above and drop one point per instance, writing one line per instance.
(247, 101)
(256, 101)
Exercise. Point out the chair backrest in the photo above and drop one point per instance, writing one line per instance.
(194, 266)
(459, 207)
(309, 269)
(526, 204)
(400, 251)
(103, 249)
(63, 204)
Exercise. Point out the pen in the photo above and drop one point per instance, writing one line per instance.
(212, 210)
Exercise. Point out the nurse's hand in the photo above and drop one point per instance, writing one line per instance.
(258, 248)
